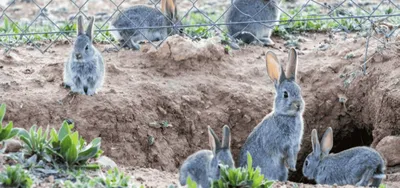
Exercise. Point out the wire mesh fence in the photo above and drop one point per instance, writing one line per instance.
(128, 23)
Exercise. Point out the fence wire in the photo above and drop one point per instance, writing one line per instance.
(41, 23)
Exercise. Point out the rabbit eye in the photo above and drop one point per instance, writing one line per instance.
(285, 94)
(87, 47)
(306, 162)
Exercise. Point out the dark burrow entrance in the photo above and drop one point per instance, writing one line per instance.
(348, 137)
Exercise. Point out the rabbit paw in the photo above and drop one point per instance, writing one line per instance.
(291, 165)
(267, 42)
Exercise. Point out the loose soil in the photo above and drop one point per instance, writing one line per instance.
(192, 85)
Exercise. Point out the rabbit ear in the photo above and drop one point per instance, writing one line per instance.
(315, 142)
(80, 25)
(226, 138)
(213, 140)
(327, 141)
(291, 68)
(89, 30)
(275, 71)
(169, 8)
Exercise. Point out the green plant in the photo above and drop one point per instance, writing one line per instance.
(190, 183)
(15, 176)
(71, 148)
(36, 142)
(241, 177)
(8, 131)
(114, 178)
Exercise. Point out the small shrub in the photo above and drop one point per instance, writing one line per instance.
(72, 149)
(36, 142)
(7, 131)
(241, 177)
(15, 176)
(114, 178)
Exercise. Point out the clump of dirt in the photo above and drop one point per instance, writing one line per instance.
(191, 85)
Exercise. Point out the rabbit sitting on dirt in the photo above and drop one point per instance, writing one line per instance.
(144, 16)
(275, 142)
(84, 70)
(253, 10)
(204, 165)
(355, 166)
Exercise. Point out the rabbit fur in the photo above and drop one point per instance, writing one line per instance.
(203, 166)
(144, 16)
(275, 142)
(84, 70)
(253, 10)
(355, 166)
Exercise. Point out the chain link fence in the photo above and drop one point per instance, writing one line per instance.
(41, 23)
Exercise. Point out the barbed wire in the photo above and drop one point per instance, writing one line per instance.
(367, 20)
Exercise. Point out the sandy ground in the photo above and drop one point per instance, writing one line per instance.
(192, 85)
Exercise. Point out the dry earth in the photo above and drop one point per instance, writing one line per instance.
(192, 85)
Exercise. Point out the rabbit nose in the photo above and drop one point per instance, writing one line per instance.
(78, 55)
(297, 105)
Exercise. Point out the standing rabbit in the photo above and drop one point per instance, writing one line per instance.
(144, 16)
(84, 69)
(203, 166)
(253, 10)
(275, 142)
(355, 166)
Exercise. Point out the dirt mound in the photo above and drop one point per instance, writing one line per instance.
(189, 86)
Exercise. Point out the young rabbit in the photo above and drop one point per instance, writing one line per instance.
(84, 69)
(355, 166)
(144, 16)
(203, 166)
(253, 10)
(275, 142)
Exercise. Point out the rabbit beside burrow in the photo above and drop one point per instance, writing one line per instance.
(355, 166)
(275, 142)
(204, 165)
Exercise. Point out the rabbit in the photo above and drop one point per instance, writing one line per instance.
(275, 142)
(253, 10)
(144, 16)
(84, 70)
(203, 166)
(355, 166)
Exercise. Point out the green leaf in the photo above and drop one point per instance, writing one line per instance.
(2, 110)
(64, 131)
(75, 139)
(24, 133)
(72, 155)
(190, 183)
(88, 153)
(6, 131)
(66, 143)
(13, 132)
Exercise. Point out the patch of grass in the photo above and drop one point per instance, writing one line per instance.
(111, 179)
(15, 176)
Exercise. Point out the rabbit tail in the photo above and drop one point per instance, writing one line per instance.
(379, 175)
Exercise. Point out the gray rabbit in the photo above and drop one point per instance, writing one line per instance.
(84, 70)
(144, 16)
(355, 166)
(203, 166)
(275, 142)
(253, 10)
